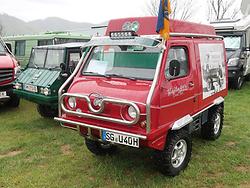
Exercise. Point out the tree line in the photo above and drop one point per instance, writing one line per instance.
(184, 9)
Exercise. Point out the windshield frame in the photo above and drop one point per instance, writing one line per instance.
(33, 65)
(87, 61)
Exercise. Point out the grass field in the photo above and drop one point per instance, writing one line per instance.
(37, 152)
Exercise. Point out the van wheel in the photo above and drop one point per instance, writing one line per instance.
(47, 111)
(99, 148)
(176, 154)
(238, 82)
(212, 129)
(14, 101)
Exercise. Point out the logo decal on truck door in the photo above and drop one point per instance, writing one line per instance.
(212, 68)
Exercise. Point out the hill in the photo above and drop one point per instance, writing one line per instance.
(14, 26)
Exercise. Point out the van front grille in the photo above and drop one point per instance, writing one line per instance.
(6, 75)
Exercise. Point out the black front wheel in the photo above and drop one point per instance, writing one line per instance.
(14, 101)
(47, 111)
(99, 148)
(176, 154)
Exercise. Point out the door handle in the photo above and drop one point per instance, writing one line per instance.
(191, 84)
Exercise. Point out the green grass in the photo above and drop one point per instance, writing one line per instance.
(37, 152)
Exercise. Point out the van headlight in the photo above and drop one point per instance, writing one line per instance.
(72, 102)
(46, 91)
(17, 71)
(18, 86)
(233, 61)
(132, 112)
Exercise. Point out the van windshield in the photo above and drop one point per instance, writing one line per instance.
(135, 62)
(46, 58)
(232, 42)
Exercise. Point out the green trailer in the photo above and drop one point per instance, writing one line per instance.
(23, 44)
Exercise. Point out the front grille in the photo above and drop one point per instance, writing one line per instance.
(6, 75)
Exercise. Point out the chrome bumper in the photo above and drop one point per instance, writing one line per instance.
(78, 124)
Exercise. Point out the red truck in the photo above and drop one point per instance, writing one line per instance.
(9, 69)
(133, 89)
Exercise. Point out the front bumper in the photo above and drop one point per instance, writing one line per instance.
(37, 98)
(79, 124)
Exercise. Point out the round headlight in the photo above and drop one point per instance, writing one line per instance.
(46, 91)
(132, 112)
(72, 102)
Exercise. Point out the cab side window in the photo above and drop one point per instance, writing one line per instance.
(74, 58)
(179, 55)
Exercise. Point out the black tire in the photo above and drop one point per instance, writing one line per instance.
(212, 129)
(99, 148)
(238, 82)
(165, 159)
(247, 78)
(47, 111)
(14, 101)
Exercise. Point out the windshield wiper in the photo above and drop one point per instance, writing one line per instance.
(94, 74)
(120, 76)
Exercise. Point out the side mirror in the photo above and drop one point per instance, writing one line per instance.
(174, 68)
(9, 47)
(63, 67)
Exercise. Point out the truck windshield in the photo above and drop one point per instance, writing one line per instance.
(46, 58)
(132, 62)
(232, 42)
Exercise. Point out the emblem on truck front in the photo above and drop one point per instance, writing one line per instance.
(131, 26)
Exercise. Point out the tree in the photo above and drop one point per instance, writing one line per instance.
(181, 9)
(221, 9)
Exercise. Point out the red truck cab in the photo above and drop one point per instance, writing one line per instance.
(133, 89)
(9, 69)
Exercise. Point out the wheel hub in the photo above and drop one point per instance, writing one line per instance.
(217, 124)
(179, 153)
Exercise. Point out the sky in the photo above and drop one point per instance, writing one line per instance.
(92, 11)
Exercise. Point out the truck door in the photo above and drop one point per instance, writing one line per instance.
(178, 96)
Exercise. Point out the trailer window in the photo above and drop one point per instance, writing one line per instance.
(136, 62)
(20, 48)
(179, 54)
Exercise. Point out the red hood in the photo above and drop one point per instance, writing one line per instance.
(6, 62)
(118, 88)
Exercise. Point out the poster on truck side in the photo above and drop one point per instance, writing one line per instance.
(213, 69)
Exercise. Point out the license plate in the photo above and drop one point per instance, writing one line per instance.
(3, 94)
(30, 88)
(120, 139)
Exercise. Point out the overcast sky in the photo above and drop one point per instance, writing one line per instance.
(93, 11)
